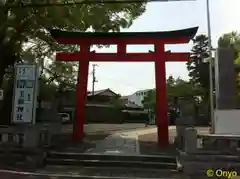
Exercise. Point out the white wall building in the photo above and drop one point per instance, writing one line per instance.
(137, 97)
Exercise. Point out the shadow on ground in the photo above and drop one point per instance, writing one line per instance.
(65, 142)
(148, 145)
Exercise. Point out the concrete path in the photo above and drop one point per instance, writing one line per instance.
(126, 142)
(105, 128)
(122, 143)
(116, 144)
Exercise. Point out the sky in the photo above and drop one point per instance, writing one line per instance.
(126, 77)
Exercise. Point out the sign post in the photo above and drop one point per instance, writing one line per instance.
(25, 94)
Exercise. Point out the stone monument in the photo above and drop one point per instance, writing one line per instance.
(25, 93)
(225, 79)
(185, 120)
(225, 115)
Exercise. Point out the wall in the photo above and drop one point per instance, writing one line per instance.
(137, 97)
(110, 115)
(227, 122)
(97, 114)
(135, 118)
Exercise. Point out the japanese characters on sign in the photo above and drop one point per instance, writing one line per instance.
(25, 93)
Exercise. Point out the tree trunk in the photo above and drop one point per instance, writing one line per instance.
(6, 59)
(2, 67)
(7, 105)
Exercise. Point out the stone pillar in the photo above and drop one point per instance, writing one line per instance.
(225, 79)
(190, 137)
(31, 136)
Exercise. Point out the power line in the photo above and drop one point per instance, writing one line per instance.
(27, 4)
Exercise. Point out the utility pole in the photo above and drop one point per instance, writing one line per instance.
(210, 67)
(94, 78)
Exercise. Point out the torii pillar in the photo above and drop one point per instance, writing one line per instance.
(159, 56)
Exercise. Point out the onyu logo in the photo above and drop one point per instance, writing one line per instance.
(227, 174)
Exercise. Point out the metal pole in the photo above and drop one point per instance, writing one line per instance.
(94, 78)
(210, 67)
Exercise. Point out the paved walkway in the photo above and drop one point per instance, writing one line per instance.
(126, 142)
(122, 143)
(104, 128)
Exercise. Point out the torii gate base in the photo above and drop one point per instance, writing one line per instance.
(159, 56)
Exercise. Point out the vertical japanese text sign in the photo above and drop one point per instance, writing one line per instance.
(25, 93)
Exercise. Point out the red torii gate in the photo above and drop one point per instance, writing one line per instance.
(159, 56)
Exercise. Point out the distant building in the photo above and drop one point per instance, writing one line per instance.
(137, 97)
(101, 96)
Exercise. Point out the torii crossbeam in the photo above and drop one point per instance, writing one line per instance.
(159, 56)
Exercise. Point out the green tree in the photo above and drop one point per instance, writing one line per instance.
(46, 90)
(198, 69)
(149, 101)
(175, 88)
(64, 74)
(182, 88)
(25, 30)
(232, 40)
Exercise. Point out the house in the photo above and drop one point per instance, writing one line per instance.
(137, 97)
(101, 96)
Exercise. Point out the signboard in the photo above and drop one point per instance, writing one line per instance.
(25, 93)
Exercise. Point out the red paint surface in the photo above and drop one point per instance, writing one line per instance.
(78, 129)
(161, 99)
(121, 57)
(159, 57)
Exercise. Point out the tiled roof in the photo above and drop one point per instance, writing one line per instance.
(100, 91)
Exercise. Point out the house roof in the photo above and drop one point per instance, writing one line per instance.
(98, 92)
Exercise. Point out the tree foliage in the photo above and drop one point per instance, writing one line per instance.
(182, 88)
(25, 31)
(232, 40)
(175, 88)
(197, 67)
(46, 91)
(149, 101)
